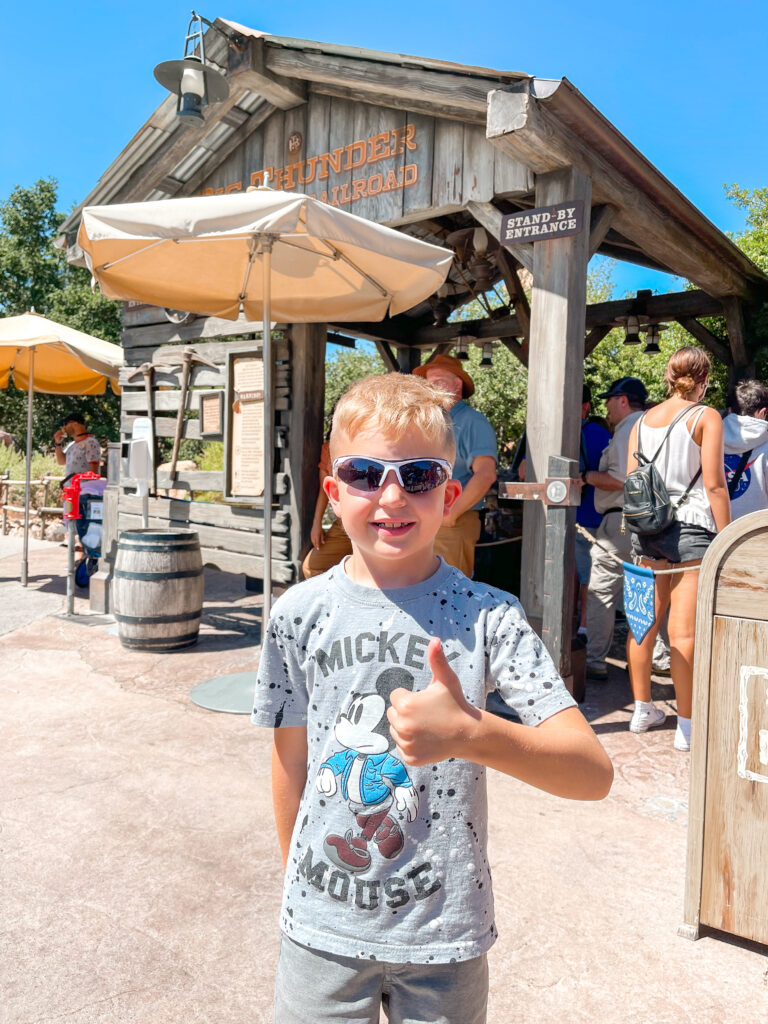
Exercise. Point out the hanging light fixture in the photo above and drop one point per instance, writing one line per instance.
(652, 335)
(195, 83)
(632, 337)
(462, 347)
(487, 359)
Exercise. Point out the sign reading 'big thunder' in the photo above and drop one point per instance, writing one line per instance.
(363, 154)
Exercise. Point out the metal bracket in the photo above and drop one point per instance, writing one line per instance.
(561, 491)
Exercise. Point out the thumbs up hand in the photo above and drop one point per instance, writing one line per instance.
(435, 723)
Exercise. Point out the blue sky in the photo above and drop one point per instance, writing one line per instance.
(684, 81)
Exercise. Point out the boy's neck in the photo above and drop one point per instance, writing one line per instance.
(390, 575)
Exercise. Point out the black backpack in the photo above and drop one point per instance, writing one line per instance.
(648, 509)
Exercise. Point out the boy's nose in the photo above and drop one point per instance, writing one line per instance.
(391, 491)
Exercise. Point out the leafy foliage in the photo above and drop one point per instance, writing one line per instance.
(754, 242)
(34, 274)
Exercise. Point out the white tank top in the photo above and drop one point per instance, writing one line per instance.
(678, 463)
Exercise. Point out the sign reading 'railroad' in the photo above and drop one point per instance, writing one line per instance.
(545, 223)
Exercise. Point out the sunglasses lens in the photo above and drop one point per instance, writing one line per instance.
(362, 474)
(422, 475)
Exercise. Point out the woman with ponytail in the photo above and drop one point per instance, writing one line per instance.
(690, 462)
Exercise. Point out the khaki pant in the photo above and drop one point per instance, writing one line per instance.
(457, 543)
(606, 585)
(336, 546)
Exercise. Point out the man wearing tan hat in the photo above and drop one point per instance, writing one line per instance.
(475, 465)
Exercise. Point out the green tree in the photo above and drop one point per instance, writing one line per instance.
(342, 369)
(753, 240)
(34, 274)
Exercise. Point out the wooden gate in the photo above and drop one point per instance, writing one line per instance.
(727, 863)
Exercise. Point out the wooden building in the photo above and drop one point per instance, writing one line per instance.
(442, 151)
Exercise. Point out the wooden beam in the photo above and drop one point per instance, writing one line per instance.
(517, 295)
(439, 350)
(600, 222)
(247, 67)
(490, 218)
(594, 338)
(707, 339)
(521, 126)
(387, 356)
(519, 351)
(555, 375)
(374, 81)
(734, 321)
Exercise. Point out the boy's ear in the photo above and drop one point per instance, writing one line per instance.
(451, 493)
(331, 488)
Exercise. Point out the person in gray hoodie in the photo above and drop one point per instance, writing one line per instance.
(746, 448)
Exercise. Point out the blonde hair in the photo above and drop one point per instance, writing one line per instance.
(393, 403)
(687, 368)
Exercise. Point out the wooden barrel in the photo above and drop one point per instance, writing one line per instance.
(157, 589)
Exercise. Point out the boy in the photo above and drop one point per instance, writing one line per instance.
(381, 740)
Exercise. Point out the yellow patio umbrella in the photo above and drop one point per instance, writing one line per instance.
(52, 358)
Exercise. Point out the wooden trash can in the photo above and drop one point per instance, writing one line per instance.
(727, 862)
(157, 589)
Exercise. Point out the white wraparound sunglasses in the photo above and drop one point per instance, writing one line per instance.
(416, 476)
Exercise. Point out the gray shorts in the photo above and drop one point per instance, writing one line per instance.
(681, 542)
(313, 987)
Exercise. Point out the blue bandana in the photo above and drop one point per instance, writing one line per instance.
(639, 599)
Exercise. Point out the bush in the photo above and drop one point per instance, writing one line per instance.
(13, 466)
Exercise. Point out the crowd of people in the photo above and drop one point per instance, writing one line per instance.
(714, 467)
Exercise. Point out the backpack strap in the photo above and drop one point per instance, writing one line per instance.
(674, 422)
(734, 483)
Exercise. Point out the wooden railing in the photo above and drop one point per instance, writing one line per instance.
(41, 513)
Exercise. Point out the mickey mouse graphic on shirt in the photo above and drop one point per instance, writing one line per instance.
(372, 779)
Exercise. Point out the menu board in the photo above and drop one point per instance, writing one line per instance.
(246, 421)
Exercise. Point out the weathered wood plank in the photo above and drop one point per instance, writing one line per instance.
(379, 206)
(337, 179)
(215, 537)
(372, 79)
(477, 183)
(418, 197)
(225, 561)
(448, 164)
(707, 338)
(240, 139)
(510, 177)
(232, 517)
(137, 340)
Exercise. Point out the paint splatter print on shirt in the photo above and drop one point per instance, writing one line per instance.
(387, 861)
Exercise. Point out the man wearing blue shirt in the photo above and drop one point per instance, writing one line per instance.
(475, 467)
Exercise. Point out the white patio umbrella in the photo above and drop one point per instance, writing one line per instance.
(318, 264)
(52, 358)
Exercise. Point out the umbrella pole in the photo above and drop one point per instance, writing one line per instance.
(266, 250)
(28, 473)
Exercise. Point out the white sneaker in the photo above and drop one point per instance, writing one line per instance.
(643, 720)
(681, 743)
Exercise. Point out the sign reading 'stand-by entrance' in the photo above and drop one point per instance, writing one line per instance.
(545, 223)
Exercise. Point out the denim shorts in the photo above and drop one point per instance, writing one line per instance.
(313, 987)
(680, 542)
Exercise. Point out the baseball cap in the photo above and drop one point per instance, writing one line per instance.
(631, 387)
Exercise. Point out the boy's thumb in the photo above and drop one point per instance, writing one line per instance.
(441, 670)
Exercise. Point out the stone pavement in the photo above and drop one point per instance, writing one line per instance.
(140, 871)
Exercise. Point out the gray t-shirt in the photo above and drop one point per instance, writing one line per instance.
(389, 862)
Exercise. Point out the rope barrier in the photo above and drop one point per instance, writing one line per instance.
(495, 543)
(620, 561)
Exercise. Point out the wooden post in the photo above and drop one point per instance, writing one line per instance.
(556, 370)
(408, 358)
(306, 430)
(559, 569)
(99, 588)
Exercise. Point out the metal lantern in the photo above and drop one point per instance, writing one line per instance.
(652, 338)
(195, 83)
(487, 359)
